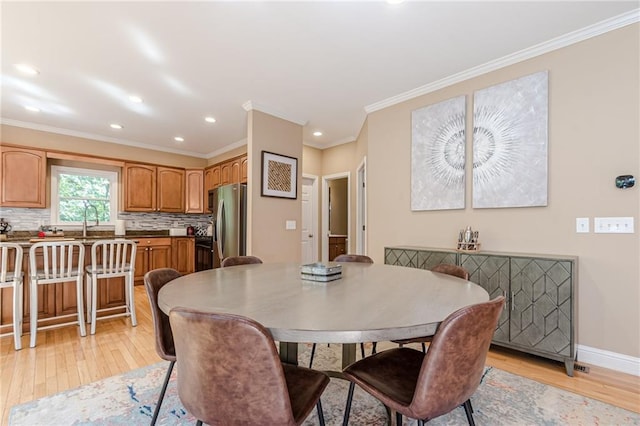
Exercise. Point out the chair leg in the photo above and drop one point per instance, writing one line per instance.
(347, 409)
(88, 296)
(320, 413)
(468, 411)
(33, 312)
(17, 314)
(161, 396)
(94, 303)
(313, 352)
(80, 298)
(131, 302)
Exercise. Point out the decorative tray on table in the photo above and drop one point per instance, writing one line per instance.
(321, 272)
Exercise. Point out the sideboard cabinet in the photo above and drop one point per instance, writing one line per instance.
(540, 310)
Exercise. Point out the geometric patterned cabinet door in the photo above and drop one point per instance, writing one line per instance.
(492, 274)
(542, 307)
(417, 257)
(539, 313)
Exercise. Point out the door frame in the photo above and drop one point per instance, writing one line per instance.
(314, 212)
(361, 207)
(325, 209)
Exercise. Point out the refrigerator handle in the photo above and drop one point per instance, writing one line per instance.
(219, 226)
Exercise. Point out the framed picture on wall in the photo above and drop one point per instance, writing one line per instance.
(279, 176)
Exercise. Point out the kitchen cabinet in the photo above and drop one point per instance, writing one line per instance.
(23, 174)
(540, 310)
(194, 201)
(337, 246)
(150, 188)
(183, 251)
(244, 169)
(152, 253)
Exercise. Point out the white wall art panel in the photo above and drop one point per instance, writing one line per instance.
(510, 143)
(438, 156)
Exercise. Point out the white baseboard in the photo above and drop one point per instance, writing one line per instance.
(611, 360)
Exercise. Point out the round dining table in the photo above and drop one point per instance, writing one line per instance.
(369, 303)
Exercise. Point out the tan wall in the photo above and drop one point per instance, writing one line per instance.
(594, 110)
(267, 237)
(57, 142)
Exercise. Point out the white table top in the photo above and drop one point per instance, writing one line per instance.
(369, 303)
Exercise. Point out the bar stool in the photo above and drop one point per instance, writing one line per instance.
(111, 259)
(62, 261)
(11, 276)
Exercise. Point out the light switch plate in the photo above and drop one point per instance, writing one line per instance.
(290, 225)
(582, 225)
(613, 225)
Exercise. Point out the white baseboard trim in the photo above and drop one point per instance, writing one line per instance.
(611, 360)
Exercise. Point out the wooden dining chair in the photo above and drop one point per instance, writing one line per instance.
(229, 372)
(240, 260)
(153, 281)
(55, 262)
(442, 268)
(358, 258)
(11, 277)
(425, 386)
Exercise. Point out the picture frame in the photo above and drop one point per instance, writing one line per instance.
(279, 176)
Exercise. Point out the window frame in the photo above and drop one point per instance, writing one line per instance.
(83, 171)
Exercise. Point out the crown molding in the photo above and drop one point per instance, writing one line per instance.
(251, 105)
(67, 132)
(565, 40)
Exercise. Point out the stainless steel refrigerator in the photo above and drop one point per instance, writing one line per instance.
(228, 204)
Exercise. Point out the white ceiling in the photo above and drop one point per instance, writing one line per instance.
(321, 64)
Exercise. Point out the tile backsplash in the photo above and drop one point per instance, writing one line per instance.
(22, 219)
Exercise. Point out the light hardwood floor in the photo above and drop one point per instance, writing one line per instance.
(62, 360)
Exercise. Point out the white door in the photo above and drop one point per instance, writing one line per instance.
(309, 223)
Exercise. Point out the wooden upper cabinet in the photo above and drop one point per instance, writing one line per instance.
(244, 171)
(139, 181)
(171, 190)
(211, 178)
(23, 174)
(194, 202)
(150, 188)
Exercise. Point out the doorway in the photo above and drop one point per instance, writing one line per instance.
(309, 228)
(336, 215)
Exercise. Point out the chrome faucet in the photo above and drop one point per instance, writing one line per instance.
(84, 223)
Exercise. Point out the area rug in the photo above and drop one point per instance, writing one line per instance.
(501, 399)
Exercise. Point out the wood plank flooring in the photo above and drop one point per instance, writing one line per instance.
(63, 360)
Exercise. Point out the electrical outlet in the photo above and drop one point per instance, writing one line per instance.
(613, 225)
(582, 225)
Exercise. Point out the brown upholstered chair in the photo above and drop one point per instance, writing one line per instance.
(153, 281)
(221, 382)
(358, 258)
(425, 386)
(361, 258)
(240, 260)
(443, 268)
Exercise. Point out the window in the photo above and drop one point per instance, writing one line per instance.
(75, 191)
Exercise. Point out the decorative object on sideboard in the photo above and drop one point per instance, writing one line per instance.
(625, 181)
(4, 229)
(468, 240)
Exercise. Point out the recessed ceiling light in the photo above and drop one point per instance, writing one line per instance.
(316, 133)
(135, 98)
(210, 119)
(32, 108)
(27, 69)
(116, 126)
(179, 139)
